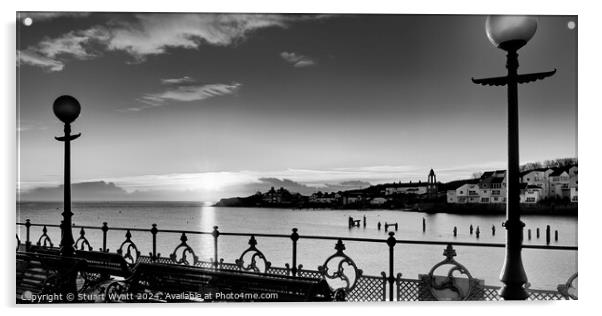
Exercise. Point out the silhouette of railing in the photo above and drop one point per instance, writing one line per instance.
(344, 277)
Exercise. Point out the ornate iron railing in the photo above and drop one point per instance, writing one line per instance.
(339, 270)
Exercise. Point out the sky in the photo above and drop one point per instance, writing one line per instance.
(204, 106)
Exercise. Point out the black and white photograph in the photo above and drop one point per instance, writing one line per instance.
(249, 157)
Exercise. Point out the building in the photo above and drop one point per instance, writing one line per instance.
(431, 186)
(378, 201)
(535, 185)
(560, 184)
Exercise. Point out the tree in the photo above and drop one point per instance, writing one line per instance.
(477, 175)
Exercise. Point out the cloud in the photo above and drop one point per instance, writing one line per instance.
(77, 44)
(297, 60)
(154, 34)
(34, 59)
(51, 54)
(185, 89)
(178, 81)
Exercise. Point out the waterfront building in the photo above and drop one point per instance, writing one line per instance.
(536, 185)
(560, 183)
(378, 201)
(431, 186)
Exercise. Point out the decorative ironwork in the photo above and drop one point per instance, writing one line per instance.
(132, 253)
(449, 287)
(342, 265)
(369, 289)
(82, 242)
(183, 250)
(255, 257)
(45, 240)
(569, 289)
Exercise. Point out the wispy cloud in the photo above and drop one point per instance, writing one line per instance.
(297, 60)
(77, 44)
(51, 54)
(184, 89)
(154, 34)
(177, 81)
(32, 58)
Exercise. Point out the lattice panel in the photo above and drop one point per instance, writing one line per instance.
(205, 264)
(410, 290)
(368, 289)
(278, 271)
(542, 295)
(309, 274)
(229, 266)
(407, 290)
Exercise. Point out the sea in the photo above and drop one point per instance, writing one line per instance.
(545, 268)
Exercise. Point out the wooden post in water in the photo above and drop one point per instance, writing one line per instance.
(423, 225)
(471, 229)
(529, 233)
(547, 234)
(478, 232)
(492, 230)
(556, 235)
(537, 233)
(455, 231)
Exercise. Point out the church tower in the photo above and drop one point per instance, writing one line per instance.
(432, 183)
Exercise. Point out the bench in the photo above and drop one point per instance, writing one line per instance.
(166, 283)
(100, 266)
(31, 276)
(38, 273)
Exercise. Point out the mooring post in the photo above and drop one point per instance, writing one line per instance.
(27, 241)
(529, 233)
(547, 234)
(556, 235)
(478, 232)
(455, 231)
(105, 229)
(294, 238)
(492, 230)
(537, 233)
(364, 221)
(154, 232)
(471, 229)
(391, 241)
(423, 225)
(215, 234)
(378, 226)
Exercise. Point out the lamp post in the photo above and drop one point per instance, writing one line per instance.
(67, 109)
(510, 33)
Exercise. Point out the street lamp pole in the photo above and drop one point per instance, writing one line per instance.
(510, 33)
(67, 109)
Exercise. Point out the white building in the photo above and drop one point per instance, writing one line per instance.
(536, 185)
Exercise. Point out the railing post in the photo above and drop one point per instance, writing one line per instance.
(294, 238)
(105, 229)
(154, 231)
(27, 227)
(215, 235)
(391, 241)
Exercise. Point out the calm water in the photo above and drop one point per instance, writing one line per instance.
(545, 268)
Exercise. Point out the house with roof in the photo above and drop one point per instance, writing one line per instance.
(560, 183)
(463, 191)
(573, 183)
(538, 177)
